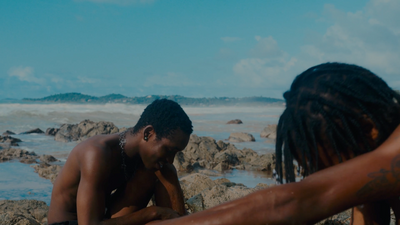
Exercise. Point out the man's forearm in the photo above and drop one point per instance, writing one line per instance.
(143, 216)
(272, 205)
(369, 177)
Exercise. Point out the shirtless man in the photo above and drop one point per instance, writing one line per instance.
(136, 163)
(372, 176)
(331, 117)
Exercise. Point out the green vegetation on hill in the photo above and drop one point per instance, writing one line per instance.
(117, 98)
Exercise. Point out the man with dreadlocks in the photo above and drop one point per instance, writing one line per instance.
(136, 163)
(334, 112)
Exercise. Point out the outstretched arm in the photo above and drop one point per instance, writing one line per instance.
(369, 177)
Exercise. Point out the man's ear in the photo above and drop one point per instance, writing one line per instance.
(148, 132)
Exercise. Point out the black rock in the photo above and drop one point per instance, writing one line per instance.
(8, 133)
(52, 131)
(33, 131)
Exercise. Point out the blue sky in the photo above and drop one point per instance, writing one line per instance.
(192, 48)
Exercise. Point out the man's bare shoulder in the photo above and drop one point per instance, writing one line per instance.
(96, 149)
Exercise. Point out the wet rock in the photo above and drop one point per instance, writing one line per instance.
(23, 212)
(48, 158)
(339, 219)
(261, 186)
(222, 193)
(235, 121)
(241, 137)
(200, 150)
(195, 203)
(221, 166)
(47, 171)
(84, 130)
(206, 153)
(28, 161)
(201, 192)
(33, 131)
(195, 183)
(264, 162)
(51, 131)
(269, 132)
(6, 141)
(20, 154)
(7, 133)
(221, 181)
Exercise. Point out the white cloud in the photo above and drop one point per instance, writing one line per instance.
(267, 72)
(25, 74)
(119, 2)
(369, 38)
(269, 66)
(266, 47)
(230, 39)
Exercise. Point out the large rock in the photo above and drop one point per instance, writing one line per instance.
(84, 130)
(250, 160)
(47, 171)
(224, 192)
(269, 132)
(194, 184)
(235, 121)
(202, 193)
(33, 131)
(51, 131)
(7, 133)
(48, 158)
(20, 154)
(241, 137)
(199, 152)
(206, 153)
(23, 212)
(6, 141)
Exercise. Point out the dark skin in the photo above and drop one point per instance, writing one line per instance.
(374, 213)
(375, 176)
(93, 171)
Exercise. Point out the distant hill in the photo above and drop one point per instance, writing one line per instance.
(118, 98)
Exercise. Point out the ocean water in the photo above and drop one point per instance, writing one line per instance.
(210, 121)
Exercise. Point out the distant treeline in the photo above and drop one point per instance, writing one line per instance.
(118, 98)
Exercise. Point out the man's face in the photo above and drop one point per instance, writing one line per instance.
(155, 153)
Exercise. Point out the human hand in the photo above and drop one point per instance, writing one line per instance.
(164, 213)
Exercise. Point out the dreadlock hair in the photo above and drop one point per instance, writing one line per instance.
(165, 116)
(334, 106)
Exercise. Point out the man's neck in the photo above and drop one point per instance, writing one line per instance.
(131, 147)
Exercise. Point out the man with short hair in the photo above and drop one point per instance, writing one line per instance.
(133, 165)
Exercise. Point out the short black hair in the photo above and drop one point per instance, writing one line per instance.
(333, 105)
(165, 116)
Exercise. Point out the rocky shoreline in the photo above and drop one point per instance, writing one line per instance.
(202, 157)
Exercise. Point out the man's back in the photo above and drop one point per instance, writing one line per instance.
(63, 205)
